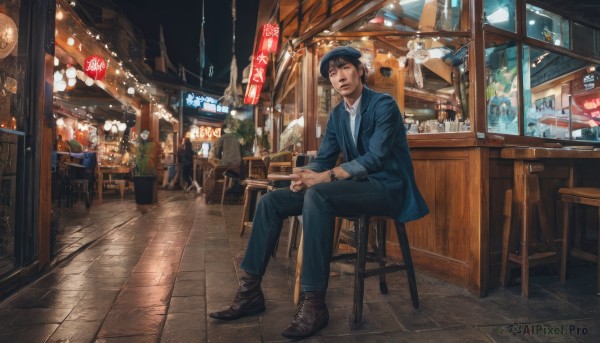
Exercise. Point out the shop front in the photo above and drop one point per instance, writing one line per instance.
(24, 95)
(101, 110)
(471, 78)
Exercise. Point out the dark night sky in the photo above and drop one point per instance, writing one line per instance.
(181, 21)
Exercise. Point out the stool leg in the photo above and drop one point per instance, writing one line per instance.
(246, 210)
(359, 267)
(298, 276)
(336, 235)
(410, 271)
(225, 184)
(565, 242)
(293, 235)
(381, 254)
(504, 276)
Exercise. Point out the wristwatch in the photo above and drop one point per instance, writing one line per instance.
(332, 176)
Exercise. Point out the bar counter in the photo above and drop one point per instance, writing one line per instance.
(460, 241)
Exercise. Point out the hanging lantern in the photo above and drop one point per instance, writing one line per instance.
(269, 38)
(8, 35)
(252, 94)
(95, 67)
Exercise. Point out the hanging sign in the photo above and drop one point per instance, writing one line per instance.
(269, 38)
(252, 94)
(95, 67)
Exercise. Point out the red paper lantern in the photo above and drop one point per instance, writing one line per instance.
(269, 38)
(95, 67)
(252, 94)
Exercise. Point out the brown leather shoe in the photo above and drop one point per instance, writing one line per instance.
(312, 316)
(248, 300)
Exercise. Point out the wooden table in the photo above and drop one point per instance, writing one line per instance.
(110, 171)
(529, 162)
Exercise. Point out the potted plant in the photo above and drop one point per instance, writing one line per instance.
(144, 169)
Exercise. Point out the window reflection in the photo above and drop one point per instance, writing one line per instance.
(547, 26)
(561, 96)
(501, 88)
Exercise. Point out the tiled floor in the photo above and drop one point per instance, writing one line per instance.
(127, 273)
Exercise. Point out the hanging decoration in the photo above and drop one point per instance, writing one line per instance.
(95, 67)
(8, 35)
(269, 38)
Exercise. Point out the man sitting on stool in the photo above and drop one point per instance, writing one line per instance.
(376, 178)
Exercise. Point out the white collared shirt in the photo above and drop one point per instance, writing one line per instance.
(353, 110)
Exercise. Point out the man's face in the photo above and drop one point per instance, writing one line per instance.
(346, 80)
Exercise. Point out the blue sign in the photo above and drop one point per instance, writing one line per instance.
(204, 103)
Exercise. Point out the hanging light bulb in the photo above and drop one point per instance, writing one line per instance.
(131, 91)
(56, 62)
(70, 41)
(71, 82)
(60, 85)
(60, 122)
(58, 76)
(122, 127)
(59, 15)
(114, 129)
(71, 72)
(107, 125)
(89, 81)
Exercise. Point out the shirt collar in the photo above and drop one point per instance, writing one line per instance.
(354, 108)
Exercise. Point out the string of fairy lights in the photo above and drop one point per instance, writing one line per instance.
(78, 41)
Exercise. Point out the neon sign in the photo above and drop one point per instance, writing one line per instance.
(204, 103)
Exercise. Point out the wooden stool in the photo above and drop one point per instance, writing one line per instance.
(254, 189)
(583, 196)
(362, 256)
(547, 253)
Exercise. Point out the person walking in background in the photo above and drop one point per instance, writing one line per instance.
(185, 154)
(376, 178)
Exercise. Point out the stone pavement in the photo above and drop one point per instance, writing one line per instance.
(128, 273)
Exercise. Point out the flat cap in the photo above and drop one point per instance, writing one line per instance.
(340, 51)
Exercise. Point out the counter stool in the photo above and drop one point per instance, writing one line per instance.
(253, 190)
(583, 196)
(361, 256)
(546, 254)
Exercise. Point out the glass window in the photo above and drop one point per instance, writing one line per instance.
(501, 86)
(428, 77)
(500, 13)
(413, 16)
(547, 26)
(561, 96)
(583, 40)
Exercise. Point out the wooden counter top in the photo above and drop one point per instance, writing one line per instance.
(534, 153)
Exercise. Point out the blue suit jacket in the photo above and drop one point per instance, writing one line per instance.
(380, 154)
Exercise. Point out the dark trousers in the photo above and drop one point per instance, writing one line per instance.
(186, 174)
(319, 205)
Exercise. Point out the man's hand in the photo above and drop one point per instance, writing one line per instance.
(308, 178)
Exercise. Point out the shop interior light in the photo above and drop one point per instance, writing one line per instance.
(70, 41)
(60, 15)
(107, 125)
(56, 61)
(89, 81)
(60, 122)
(114, 129)
(498, 16)
(131, 91)
(71, 82)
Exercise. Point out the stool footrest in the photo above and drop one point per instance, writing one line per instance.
(535, 259)
(583, 255)
(387, 269)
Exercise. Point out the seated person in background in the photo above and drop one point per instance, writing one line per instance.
(226, 151)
